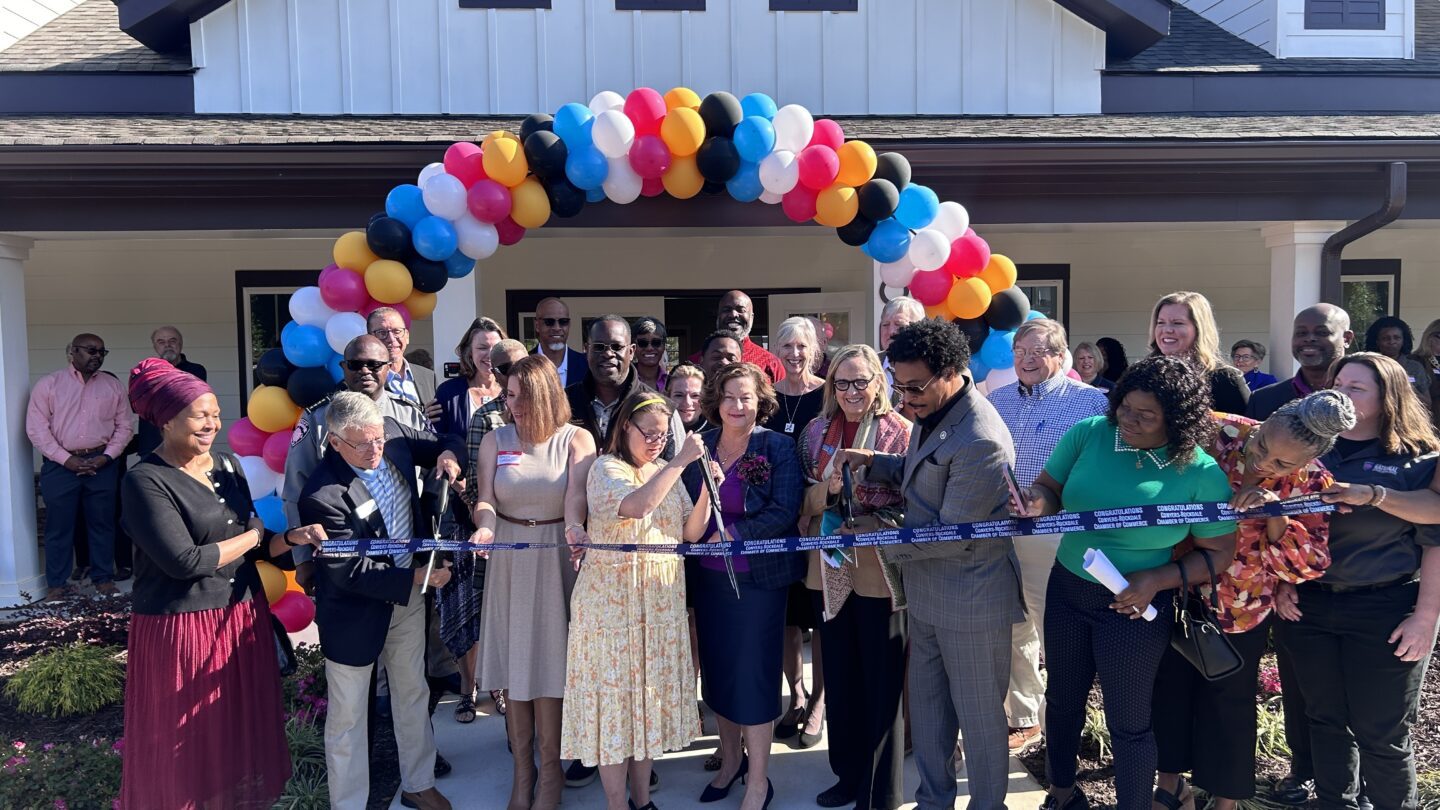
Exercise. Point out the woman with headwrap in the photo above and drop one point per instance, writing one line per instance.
(203, 720)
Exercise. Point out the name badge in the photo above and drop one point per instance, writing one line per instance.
(366, 509)
(507, 458)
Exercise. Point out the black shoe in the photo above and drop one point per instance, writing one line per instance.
(578, 776)
(769, 794)
(1364, 803)
(714, 794)
(808, 740)
(448, 684)
(654, 780)
(122, 574)
(789, 724)
(442, 766)
(837, 795)
(79, 574)
(645, 806)
(1077, 801)
(382, 706)
(405, 801)
(1292, 791)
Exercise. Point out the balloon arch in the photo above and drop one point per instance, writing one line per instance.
(461, 211)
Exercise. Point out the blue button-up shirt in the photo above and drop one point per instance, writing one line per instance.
(1039, 416)
(402, 385)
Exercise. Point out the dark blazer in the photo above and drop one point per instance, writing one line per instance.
(772, 509)
(354, 595)
(581, 394)
(577, 368)
(453, 396)
(424, 383)
(1268, 400)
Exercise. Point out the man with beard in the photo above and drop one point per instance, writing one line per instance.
(552, 330)
(736, 316)
(169, 346)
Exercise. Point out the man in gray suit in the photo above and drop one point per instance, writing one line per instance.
(403, 378)
(963, 596)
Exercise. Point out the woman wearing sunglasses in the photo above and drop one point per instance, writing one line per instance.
(648, 335)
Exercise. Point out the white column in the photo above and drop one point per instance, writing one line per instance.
(1294, 281)
(20, 570)
(455, 308)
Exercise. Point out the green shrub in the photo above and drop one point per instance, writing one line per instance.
(61, 776)
(307, 788)
(78, 679)
(1095, 729)
(1270, 742)
(1429, 790)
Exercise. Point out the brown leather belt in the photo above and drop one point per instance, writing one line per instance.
(93, 451)
(527, 521)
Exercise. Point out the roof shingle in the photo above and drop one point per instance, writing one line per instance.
(86, 39)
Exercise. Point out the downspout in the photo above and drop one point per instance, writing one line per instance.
(1330, 288)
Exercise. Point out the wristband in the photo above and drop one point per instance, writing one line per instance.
(286, 538)
(1377, 495)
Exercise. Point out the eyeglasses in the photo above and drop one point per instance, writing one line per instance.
(389, 333)
(554, 321)
(650, 343)
(652, 439)
(503, 369)
(914, 390)
(1038, 354)
(369, 444)
(365, 365)
(1242, 357)
(602, 348)
(858, 385)
(93, 351)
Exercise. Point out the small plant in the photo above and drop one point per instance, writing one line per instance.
(1270, 742)
(61, 776)
(305, 690)
(1269, 680)
(307, 788)
(1429, 790)
(77, 679)
(1096, 730)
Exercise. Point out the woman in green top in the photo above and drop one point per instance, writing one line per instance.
(1147, 450)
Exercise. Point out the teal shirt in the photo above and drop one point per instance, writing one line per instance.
(1093, 474)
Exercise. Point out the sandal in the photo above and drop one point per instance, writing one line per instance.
(1182, 799)
(465, 712)
(499, 698)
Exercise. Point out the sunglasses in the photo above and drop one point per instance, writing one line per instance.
(503, 369)
(555, 321)
(365, 365)
(92, 351)
(602, 348)
(914, 390)
(650, 343)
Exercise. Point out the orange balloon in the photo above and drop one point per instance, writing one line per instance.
(939, 311)
(999, 274)
(421, 304)
(683, 131)
(857, 163)
(271, 409)
(683, 179)
(504, 159)
(353, 253)
(272, 579)
(969, 298)
(682, 97)
(837, 205)
(290, 583)
(529, 205)
(388, 281)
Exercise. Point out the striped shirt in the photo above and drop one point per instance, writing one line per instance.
(1037, 417)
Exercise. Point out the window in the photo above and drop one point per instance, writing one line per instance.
(262, 304)
(1352, 15)
(543, 4)
(1370, 289)
(814, 5)
(659, 5)
(1046, 286)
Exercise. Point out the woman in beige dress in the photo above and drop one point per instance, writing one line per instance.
(531, 490)
(630, 686)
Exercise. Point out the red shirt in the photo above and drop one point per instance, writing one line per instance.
(752, 352)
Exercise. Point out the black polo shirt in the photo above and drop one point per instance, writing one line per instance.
(1369, 546)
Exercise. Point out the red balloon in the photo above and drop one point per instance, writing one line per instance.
(645, 108)
(510, 233)
(245, 438)
(274, 452)
(968, 256)
(652, 187)
(799, 203)
(464, 162)
(818, 166)
(294, 610)
(649, 156)
(344, 291)
(488, 201)
(827, 133)
(930, 287)
(400, 308)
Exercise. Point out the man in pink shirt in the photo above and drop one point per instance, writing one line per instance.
(736, 315)
(79, 419)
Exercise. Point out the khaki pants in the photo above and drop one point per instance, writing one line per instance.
(347, 755)
(1027, 686)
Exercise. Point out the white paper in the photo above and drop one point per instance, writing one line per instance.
(1099, 566)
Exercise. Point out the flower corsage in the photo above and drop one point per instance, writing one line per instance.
(753, 469)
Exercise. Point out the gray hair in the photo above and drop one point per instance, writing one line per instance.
(1254, 346)
(1087, 346)
(350, 409)
(905, 303)
(1052, 332)
(378, 313)
(803, 328)
(1316, 420)
(160, 329)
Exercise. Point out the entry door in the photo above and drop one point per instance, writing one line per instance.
(844, 312)
(585, 309)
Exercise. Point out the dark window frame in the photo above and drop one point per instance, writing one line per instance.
(504, 4)
(1033, 273)
(1352, 269)
(659, 5)
(1344, 15)
(814, 5)
(245, 280)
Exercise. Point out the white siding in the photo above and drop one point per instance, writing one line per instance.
(1397, 41)
(1252, 20)
(20, 18)
(898, 57)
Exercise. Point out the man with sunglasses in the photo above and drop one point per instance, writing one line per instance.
(79, 419)
(552, 332)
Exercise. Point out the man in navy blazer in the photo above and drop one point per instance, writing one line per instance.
(552, 332)
(370, 608)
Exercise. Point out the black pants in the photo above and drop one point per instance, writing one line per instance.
(1083, 638)
(864, 677)
(1361, 700)
(68, 495)
(1297, 726)
(1208, 727)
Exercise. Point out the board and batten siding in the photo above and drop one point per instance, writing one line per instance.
(896, 57)
(1278, 26)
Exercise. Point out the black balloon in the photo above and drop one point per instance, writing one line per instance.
(717, 160)
(1008, 309)
(388, 238)
(856, 232)
(894, 167)
(975, 331)
(427, 276)
(721, 113)
(711, 187)
(546, 154)
(878, 199)
(308, 386)
(273, 368)
(566, 200)
(536, 122)
(375, 216)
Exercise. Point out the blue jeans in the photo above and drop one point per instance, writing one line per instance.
(65, 494)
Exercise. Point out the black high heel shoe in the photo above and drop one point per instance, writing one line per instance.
(714, 794)
(769, 794)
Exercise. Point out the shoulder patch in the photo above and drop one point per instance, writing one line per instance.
(302, 428)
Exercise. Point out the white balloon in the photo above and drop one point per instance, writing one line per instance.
(779, 172)
(929, 249)
(261, 479)
(1068, 364)
(606, 100)
(342, 328)
(622, 185)
(428, 172)
(613, 133)
(794, 127)
(771, 198)
(952, 219)
(1000, 377)
(308, 308)
(478, 240)
(898, 273)
(444, 196)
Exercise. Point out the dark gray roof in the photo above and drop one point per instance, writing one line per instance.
(87, 39)
(226, 130)
(1196, 45)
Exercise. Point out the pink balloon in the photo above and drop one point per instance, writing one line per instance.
(294, 610)
(652, 187)
(649, 156)
(463, 161)
(510, 233)
(274, 452)
(968, 256)
(930, 287)
(488, 201)
(400, 308)
(818, 166)
(344, 291)
(799, 203)
(827, 133)
(645, 108)
(329, 268)
(245, 438)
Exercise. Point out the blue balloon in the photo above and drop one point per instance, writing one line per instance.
(406, 203)
(458, 265)
(1036, 315)
(918, 206)
(889, 241)
(758, 104)
(336, 373)
(978, 369)
(594, 195)
(865, 248)
(306, 347)
(745, 186)
(434, 238)
(572, 125)
(998, 350)
(754, 138)
(587, 168)
(287, 329)
(271, 511)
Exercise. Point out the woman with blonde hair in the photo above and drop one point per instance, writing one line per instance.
(1090, 365)
(1182, 325)
(1428, 354)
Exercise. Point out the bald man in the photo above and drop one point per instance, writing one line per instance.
(736, 315)
(1318, 341)
(552, 339)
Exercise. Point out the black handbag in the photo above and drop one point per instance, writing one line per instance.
(284, 650)
(1196, 636)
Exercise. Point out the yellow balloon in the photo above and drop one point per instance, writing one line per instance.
(999, 274)
(529, 205)
(353, 253)
(683, 131)
(388, 281)
(969, 298)
(682, 97)
(271, 409)
(939, 312)
(836, 206)
(272, 579)
(504, 159)
(857, 163)
(683, 179)
(421, 304)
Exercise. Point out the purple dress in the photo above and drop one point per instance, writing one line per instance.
(732, 509)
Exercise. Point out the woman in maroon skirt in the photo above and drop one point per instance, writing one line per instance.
(204, 725)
